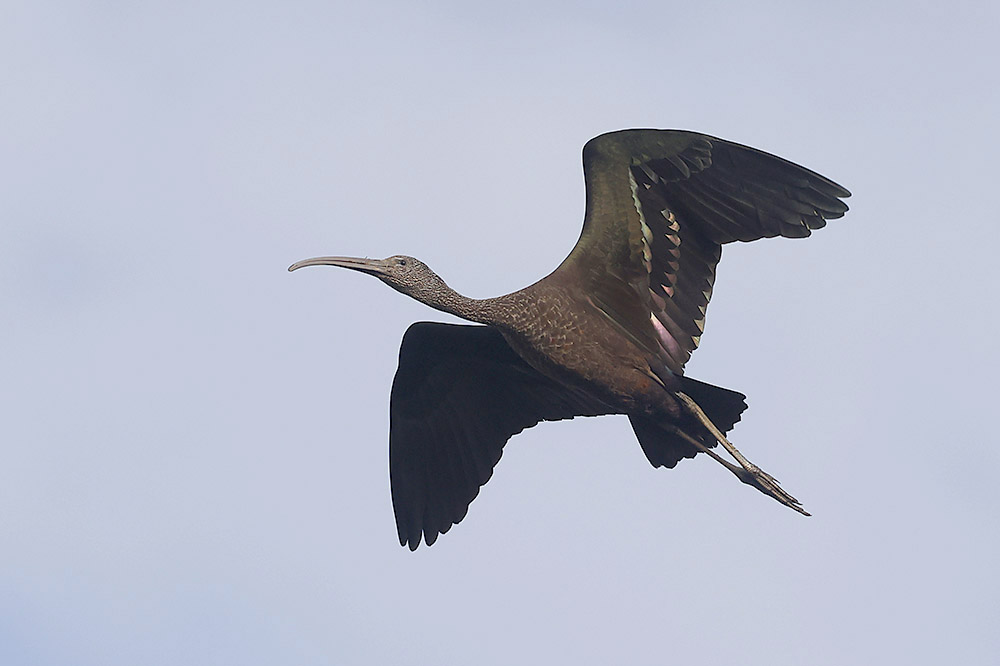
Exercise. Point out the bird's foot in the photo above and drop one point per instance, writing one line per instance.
(767, 484)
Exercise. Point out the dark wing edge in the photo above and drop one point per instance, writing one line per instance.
(459, 394)
(730, 191)
(690, 194)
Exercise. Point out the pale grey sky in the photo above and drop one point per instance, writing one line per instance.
(193, 443)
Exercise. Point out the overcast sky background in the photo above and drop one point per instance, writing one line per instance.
(193, 442)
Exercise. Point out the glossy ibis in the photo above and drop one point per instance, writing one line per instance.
(608, 332)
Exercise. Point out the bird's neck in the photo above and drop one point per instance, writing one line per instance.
(482, 311)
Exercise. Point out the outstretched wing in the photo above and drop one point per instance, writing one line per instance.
(459, 394)
(660, 205)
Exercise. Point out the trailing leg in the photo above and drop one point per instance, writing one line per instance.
(746, 472)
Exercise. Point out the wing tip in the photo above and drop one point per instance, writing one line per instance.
(409, 541)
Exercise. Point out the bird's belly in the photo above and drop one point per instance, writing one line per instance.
(616, 373)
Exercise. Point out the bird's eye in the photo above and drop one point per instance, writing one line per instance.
(401, 262)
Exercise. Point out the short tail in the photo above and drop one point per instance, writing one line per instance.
(664, 448)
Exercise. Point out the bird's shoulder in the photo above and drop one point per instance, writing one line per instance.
(636, 146)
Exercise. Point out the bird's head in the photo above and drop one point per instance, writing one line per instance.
(405, 274)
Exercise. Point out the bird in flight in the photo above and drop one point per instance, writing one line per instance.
(608, 332)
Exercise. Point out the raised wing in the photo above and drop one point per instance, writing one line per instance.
(660, 205)
(459, 394)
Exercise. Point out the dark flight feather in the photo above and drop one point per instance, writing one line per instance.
(459, 394)
(691, 193)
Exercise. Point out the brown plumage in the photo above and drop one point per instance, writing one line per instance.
(608, 332)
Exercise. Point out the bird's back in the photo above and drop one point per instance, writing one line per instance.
(558, 330)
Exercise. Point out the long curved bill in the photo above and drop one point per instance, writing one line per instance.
(370, 266)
